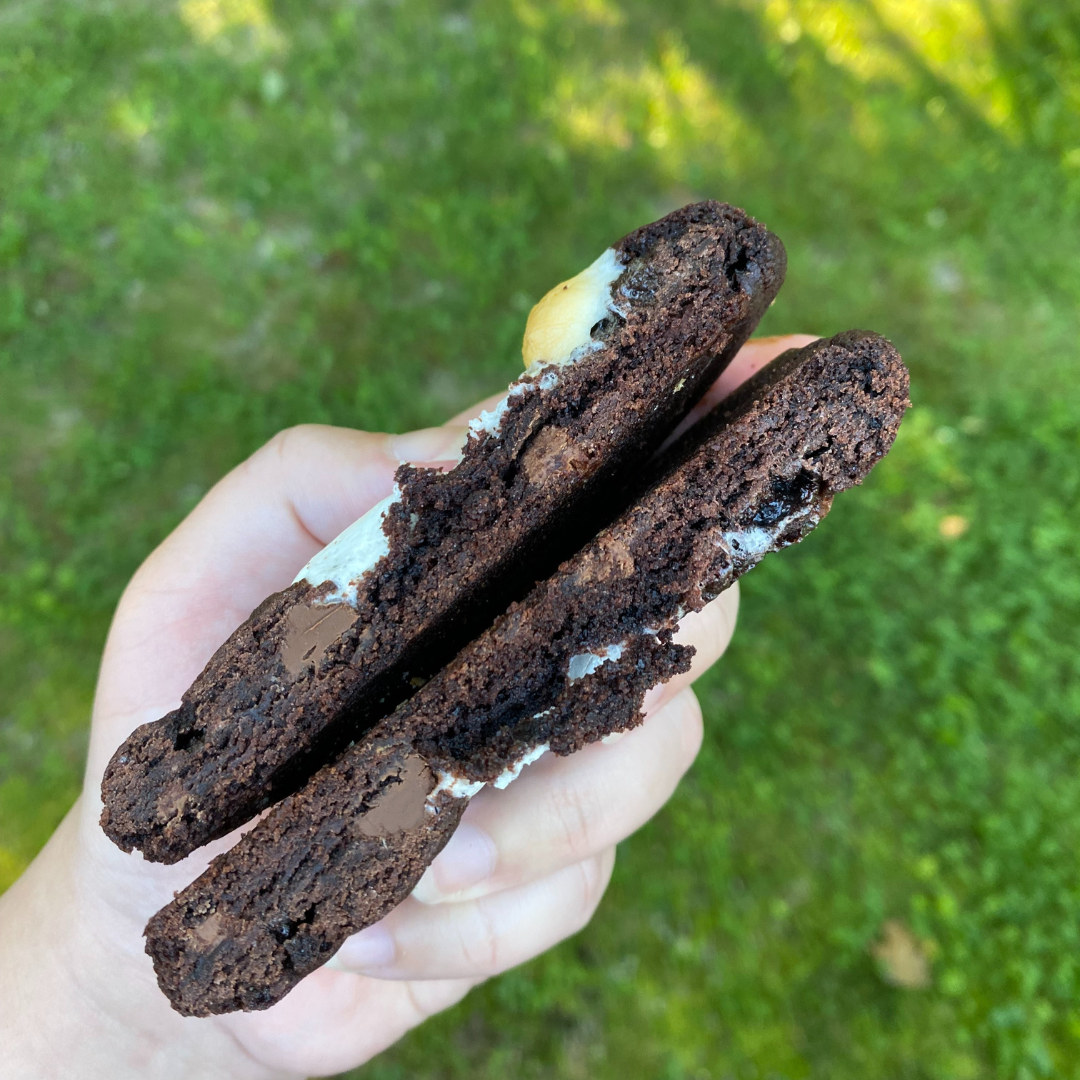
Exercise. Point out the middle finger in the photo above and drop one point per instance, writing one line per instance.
(563, 810)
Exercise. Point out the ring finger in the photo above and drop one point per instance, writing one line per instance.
(483, 937)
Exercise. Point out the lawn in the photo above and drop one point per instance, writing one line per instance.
(221, 217)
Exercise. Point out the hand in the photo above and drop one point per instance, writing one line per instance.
(526, 869)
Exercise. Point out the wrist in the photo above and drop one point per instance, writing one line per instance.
(79, 995)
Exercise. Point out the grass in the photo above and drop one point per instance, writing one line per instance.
(220, 218)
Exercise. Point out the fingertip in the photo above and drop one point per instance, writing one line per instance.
(709, 631)
(469, 859)
(679, 713)
(751, 358)
(595, 877)
(369, 950)
(429, 446)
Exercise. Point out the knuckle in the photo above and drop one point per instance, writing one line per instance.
(481, 943)
(575, 815)
(288, 440)
(593, 876)
(279, 448)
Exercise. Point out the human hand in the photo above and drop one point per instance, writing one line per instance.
(526, 868)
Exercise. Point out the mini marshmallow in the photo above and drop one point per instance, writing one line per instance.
(586, 663)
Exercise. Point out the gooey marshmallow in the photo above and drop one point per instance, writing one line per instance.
(559, 325)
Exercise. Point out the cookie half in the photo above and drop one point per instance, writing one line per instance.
(615, 357)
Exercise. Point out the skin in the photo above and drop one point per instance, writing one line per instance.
(526, 869)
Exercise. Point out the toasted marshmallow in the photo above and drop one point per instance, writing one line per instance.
(559, 325)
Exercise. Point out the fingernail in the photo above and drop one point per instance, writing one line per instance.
(429, 444)
(371, 948)
(465, 862)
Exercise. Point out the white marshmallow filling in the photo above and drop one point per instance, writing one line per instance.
(461, 788)
(351, 554)
(558, 332)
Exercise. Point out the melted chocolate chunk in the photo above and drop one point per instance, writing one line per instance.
(402, 804)
(312, 629)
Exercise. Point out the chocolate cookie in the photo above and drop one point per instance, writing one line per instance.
(615, 357)
(566, 666)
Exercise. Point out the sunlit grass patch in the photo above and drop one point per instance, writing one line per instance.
(668, 109)
(232, 25)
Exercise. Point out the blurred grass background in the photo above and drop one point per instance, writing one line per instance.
(221, 217)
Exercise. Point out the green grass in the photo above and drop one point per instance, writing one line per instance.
(225, 217)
